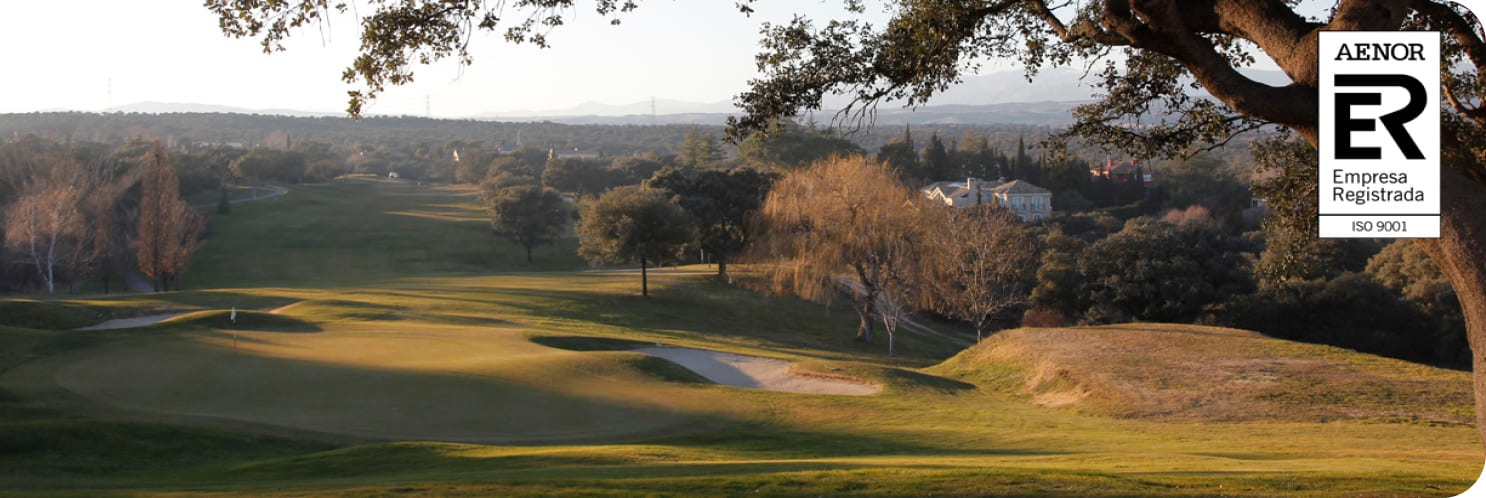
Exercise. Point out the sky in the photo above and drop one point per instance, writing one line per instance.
(90, 55)
(118, 53)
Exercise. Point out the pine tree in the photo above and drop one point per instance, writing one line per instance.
(935, 161)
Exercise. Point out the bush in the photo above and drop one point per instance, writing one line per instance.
(1351, 311)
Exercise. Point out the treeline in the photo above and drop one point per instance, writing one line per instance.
(1186, 249)
(80, 211)
(250, 130)
(397, 143)
(850, 229)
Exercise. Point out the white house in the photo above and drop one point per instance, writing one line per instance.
(1030, 202)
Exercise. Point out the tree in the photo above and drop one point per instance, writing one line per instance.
(579, 176)
(900, 154)
(982, 265)
(699, 149)
(45, 226)
(1164, 44)
(635, 169)
(926, 45)
(794, 146)
(169, 231)
(839, 227)
(1404, 268)
(1057, 275)
(527, 214)
(1155, 271)
(1208, 182)
(633, 224)
(106, 217)
(935, 161)
(720, 202)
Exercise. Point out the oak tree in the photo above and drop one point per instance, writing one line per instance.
(633, 223)
(720, 203)
(528, 215)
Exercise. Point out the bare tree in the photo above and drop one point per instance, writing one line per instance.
(44, 226)
(841, 226)
(983, 263)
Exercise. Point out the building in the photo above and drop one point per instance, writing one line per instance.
(1124, 172)
(1028, 201)
(573, 153)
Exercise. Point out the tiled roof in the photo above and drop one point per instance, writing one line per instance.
(1020, 187)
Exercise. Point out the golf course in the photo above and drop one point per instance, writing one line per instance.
(367, 337)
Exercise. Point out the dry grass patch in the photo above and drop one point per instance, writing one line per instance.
(1209, 374)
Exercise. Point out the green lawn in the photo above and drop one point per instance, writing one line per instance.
(412, 354)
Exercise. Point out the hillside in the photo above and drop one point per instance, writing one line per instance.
(1207, 374)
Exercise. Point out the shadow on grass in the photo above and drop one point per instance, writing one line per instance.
(245, 320)
(703, 309)
(213, 384)
(898, 378)
(581, 343)
(765, 440)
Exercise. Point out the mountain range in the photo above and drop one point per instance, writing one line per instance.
(1003, 97)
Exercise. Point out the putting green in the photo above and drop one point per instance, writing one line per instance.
(379, 382)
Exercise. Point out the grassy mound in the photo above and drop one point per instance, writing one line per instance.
(245, 320)
(340, 310)
(49, 315)
(1209, 374)
(380, 383)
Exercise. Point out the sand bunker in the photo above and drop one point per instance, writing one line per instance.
(757, 373)
(129, 323)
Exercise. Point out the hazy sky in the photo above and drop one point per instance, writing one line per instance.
(88, 54)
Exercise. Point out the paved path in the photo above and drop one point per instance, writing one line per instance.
(757, 373)
(274, 191)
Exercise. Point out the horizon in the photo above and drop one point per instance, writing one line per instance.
(177, 55)
(74, 72)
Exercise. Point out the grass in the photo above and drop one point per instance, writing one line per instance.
(459, 376)
(378, 228)
(1167, 372)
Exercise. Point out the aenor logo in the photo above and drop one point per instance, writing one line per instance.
(1379, 130)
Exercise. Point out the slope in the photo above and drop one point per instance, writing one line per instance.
(1185, 373)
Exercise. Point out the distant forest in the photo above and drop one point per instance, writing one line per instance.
(249, 130)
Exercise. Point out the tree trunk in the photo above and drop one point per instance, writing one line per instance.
(528, 254)
(722, 266)
(865, 330)
(1461, 254)
(890, 340)
(644, 279)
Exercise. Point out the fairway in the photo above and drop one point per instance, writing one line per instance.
(384, 383)
(439, 364)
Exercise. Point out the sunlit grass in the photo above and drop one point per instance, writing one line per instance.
(534, 363)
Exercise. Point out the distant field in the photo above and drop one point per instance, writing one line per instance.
(356, 230)
(364, 369)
